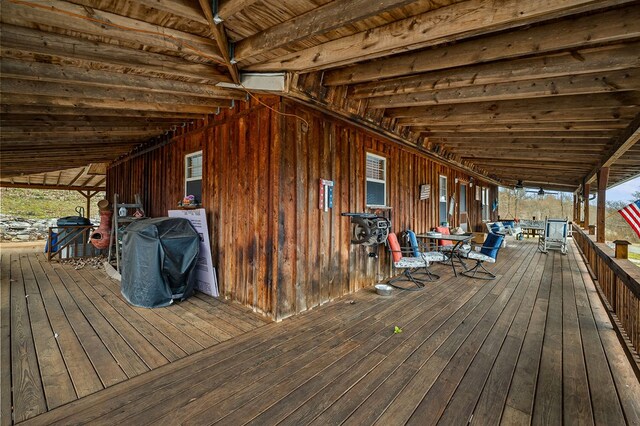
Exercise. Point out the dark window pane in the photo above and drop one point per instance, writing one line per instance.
(375, 193)
(443, 212)
(194, 187)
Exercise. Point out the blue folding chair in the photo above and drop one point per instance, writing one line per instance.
(488, 253)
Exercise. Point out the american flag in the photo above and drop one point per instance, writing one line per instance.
(631, 214)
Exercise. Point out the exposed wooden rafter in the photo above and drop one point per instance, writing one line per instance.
(220, 37)
(618, 25)
(455, 22)
(627, 139)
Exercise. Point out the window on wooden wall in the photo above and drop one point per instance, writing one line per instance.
(442, 200)
(463, 198)
(193, 175)
(485, 204)
(376, 180)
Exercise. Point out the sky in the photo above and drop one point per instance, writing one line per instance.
(623, 192)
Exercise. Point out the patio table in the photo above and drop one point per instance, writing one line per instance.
(459, 240)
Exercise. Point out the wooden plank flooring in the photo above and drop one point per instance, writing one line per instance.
(533, 346)
(69, 333)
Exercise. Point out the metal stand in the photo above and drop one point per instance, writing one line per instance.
(118, 221)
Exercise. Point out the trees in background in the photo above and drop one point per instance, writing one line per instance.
(520, 204)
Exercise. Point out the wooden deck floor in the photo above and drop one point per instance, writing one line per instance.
(69, 333)
(534, 346)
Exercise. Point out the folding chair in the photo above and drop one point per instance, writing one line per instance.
(429, 256)
(410, 264)
(554, 235)
(488, 253)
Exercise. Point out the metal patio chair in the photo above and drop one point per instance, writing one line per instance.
(554, 236)
(488, 253)
(403, 259)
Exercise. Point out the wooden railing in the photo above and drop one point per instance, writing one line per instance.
(619, 285)
(69, 242)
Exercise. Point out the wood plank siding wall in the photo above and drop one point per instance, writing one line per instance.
(274, 249)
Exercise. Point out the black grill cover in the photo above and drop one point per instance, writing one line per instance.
(159, 256)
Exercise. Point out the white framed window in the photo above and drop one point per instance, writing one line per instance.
(376, 180)
(442, 200)
(193, 175)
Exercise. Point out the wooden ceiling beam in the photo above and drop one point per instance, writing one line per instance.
(109, 104)
(95, 113)
(220, 36)
(569, 103)
(596, 126)
(12, 68)
(541, 135)
(584, 61)
(586, 84)
(31, 45)
(458, 21)
(550, 169)
(27, 166)
(20, 120)
(29, 134)
(105, 94)
(518, 118)
(625, 141)
(614, 26)
(528, 142)
(522, 150)
(35, 127)
(330, 16)
(509, 152)
(517, 158)
(183, 15)
(95, 22)
(5, 184)
(228, 8)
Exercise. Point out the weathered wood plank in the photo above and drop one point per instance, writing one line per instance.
(105, 365)
(616, 25)
(584, 61)
(219, 359)
(56, 382)
(396, 379)
(349, 388)
(28, 400)
(441, 390)
(112, 26)
(576, 405)
(502, 344)
(83, 374)
(519, 403)
(586, 84)
(604, 399)
(130, 362)
(13, 68)
(317, 21)
(342, 363)
(5, 340)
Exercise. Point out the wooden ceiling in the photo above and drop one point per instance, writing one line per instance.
(537, 90)
(91, 178)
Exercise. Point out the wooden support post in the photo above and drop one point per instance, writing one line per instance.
(585, 206)
(575, 208)
(603, 178)
(88, 196)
